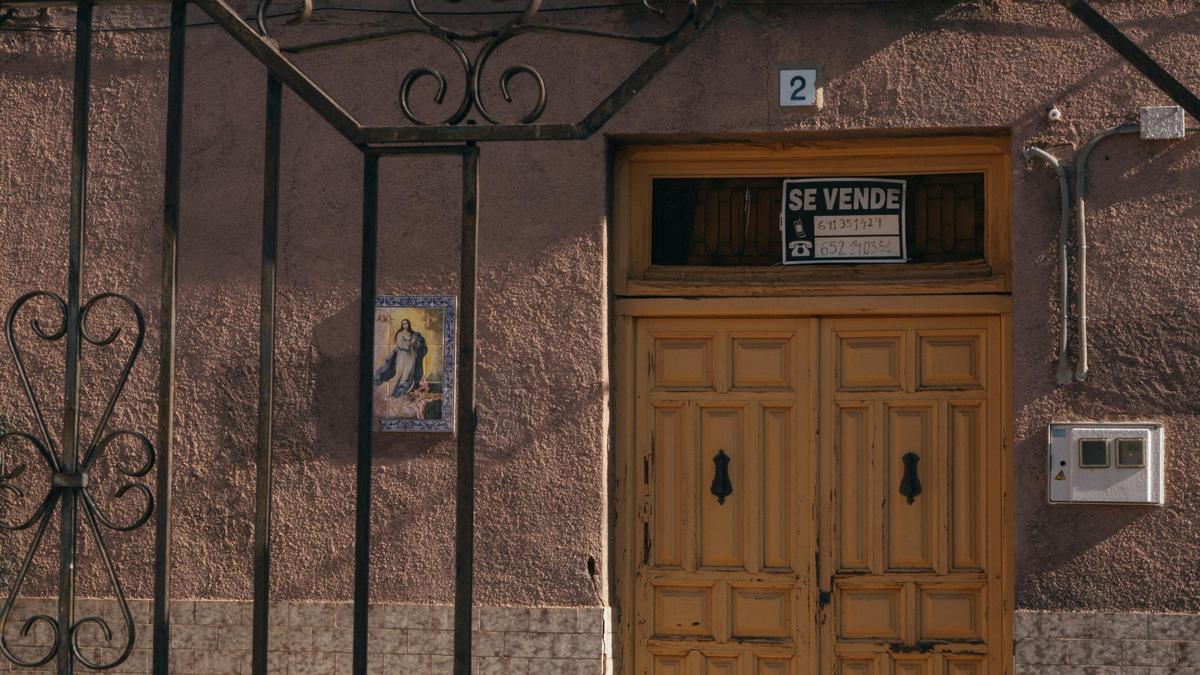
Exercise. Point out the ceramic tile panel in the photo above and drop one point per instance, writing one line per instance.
(213, 637)
(1098, 643)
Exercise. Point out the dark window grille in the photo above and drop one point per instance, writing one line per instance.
(734, 222)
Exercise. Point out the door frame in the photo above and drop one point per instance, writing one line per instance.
(624, 547)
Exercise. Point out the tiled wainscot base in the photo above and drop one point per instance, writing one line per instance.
(1085, 643)
(212, 637)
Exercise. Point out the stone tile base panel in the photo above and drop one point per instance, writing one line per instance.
(1085, 643)
(212, 637)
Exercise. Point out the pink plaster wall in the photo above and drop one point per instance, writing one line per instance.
(544, 388)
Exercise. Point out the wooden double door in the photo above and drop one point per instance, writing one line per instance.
(818, 496)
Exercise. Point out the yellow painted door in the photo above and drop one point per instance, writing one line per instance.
(742, 570)
(911, 471)
(726, 565)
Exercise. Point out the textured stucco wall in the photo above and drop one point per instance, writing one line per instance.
(544, 387)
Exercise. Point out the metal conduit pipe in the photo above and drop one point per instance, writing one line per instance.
(1081, 365)
(1064, 187)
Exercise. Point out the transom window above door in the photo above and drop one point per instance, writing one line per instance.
(734, 222)
(708, 219)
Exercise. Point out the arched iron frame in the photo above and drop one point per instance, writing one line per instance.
(470, 123)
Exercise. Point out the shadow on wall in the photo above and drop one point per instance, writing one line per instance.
(335, 401)
(1143, 356)
(1090, 525)
(1147, 364)
(958, 19)
(501, 437)
(859, 82)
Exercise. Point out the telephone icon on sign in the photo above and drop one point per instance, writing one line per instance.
(800, 249)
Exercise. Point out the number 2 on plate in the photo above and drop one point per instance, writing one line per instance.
(798, 84)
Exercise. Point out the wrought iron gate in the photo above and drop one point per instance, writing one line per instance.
(469, 123)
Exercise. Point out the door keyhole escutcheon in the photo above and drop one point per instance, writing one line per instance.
(722, 487)
(910, 484)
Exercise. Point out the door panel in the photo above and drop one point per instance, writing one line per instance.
(760, 612)
(870, 611)
(965, 665)
(916, 431)
(870, 361)
(951, 612)
(951, 359)
(669, 431)
(726, 580)
(683, 363)
(721, 665)
(772, 666)
(670, 664)
(777, 492)
(729, 467)
(855, 524)
(912, 665)
(868, 665)
(968, 442)
(683, 611)
(760, 363)
(722, 526)
(910, 520)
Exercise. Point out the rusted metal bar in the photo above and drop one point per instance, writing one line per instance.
(395, 150)
(366, 349)
(172, 185)
(267, 52)
(74, 335)
(352, 40)
(266, 377)
(1135, 55)
(470, 133)
(646, 72)
(468, 418)
(71, 4)
(51, 4)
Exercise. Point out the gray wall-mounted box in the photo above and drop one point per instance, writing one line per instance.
(1162, 123)
(1098, 463)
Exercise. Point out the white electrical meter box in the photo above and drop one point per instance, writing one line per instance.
(1097, 463)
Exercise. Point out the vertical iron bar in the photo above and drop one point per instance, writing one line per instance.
(266, 377)
(464, 517)
(171, 209)
(166, 358)
(75, 256)
(366, 350)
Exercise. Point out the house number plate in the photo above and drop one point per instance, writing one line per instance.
(799, 87)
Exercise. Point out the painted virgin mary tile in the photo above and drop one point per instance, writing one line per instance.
(414, 363)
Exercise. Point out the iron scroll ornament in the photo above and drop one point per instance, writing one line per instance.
(75, 482)
(473, 65)
(910, 483)
(722, 487)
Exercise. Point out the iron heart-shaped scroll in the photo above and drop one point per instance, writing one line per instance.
(72, 481)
